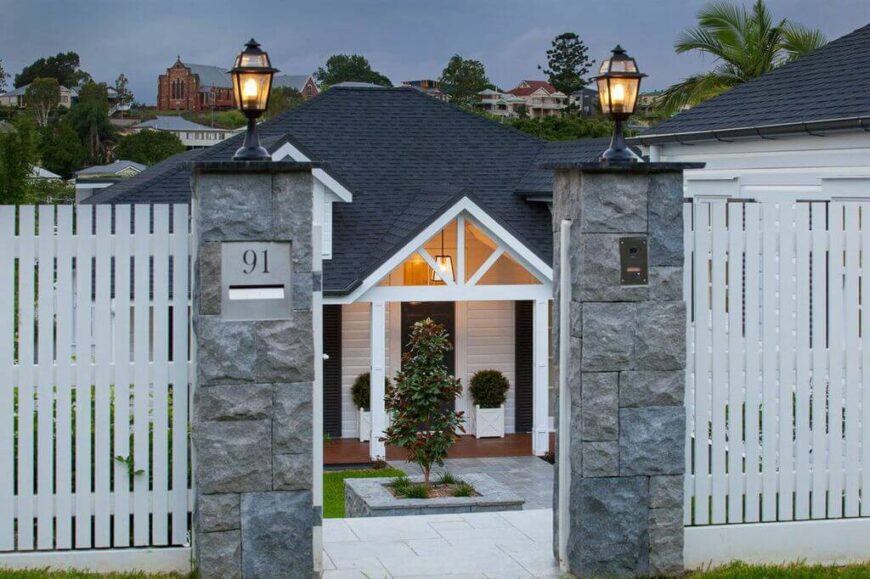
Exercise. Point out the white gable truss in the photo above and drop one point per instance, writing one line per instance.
(460, 288)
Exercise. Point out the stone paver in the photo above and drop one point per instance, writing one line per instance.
(509, 544)
(528, 476)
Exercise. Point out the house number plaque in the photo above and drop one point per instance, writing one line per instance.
(255, 280)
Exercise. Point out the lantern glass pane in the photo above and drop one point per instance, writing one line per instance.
(252, 90)
(605, 66)
(623, 65)
(256, 60)
(623, 94)
(604, 95)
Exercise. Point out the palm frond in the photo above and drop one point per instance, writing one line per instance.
(694, 89)
(798, 40)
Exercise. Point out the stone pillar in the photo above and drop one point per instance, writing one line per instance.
(252, 406)
(625, 370)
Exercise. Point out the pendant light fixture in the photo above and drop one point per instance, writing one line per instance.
(445, 265)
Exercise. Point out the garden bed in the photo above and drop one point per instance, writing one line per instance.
(374, 497)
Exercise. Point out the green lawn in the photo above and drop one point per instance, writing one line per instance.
(333, 488)
(744, 571)
(733, 571)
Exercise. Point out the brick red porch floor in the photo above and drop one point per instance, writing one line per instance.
(352, 451)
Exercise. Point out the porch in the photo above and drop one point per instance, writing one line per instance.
(493, 296)
(350, 451)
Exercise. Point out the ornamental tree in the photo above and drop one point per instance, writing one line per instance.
(421, 400)
(568, 63)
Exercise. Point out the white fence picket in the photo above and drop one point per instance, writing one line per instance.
(122, 376)
(45, 389)
(688, 277)
(7, 390)
(779, 373)
(66, 368)
(179, 335)
(26, 298)
(84, 358)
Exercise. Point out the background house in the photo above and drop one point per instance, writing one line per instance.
(192, 135)
(428, 86)
(796, 133)
(89, 180)
(15, 97)
(199, 87)
(540, 98)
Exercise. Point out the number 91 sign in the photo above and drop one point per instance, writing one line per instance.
(255, 280)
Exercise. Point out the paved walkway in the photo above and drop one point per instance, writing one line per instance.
(528, 476)
(505, 544)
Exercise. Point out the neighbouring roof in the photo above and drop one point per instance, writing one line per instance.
(296, 81)
(40, 173)
(112, 168)
(528, 87)
(16, 91)
(175, 123)
(404, 156)
(210, 75)
(828, 88)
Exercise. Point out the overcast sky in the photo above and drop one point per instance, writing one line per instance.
(403, 39)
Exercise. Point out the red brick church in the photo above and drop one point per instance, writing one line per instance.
(201, 87)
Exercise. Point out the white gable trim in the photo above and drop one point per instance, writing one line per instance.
(526, 257)
(288, 150)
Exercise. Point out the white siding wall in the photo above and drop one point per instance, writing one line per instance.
(485, 334)
(490, 345)
(785, 168)
(355, 358)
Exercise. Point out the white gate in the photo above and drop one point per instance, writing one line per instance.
(778, 374)
(94, 363)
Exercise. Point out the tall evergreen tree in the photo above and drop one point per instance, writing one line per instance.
(568, 63)
(462, 80)
(349, 68)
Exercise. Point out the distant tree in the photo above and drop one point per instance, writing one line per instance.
(41, 97)
(125, 95)
(90, 120)
(568, 63)
(564, 128)
(3, 77)
(348, 68)
(149, 147)
(745, 43)
(47, 191)
(64, 67)
(462, 79)
(283, 99)
(60, 149)
(17, 157)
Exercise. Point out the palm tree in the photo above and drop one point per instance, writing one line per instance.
(744, 43)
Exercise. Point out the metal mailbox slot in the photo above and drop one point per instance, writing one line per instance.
(255, 280)
(633, 265)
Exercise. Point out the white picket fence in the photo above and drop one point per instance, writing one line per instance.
(94, 309)
(778, 377)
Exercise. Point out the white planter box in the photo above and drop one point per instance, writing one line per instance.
(365, 425)
(488, 422)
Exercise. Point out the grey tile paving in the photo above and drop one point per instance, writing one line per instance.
(528, 476)
(482, 545)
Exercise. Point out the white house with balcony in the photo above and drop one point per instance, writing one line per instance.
(192, 135)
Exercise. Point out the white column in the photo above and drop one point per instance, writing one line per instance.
(378, 376)
(317, 398)
(540, 381)
(564, 430)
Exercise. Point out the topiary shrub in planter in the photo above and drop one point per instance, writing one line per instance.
(421, 424)
(488, 389)
(361, 394)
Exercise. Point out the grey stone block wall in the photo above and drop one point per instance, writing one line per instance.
(252, 414)
(625, 371)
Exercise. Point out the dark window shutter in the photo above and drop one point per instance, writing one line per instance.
(523, 361)
(332, 370)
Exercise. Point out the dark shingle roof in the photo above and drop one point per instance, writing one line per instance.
(829, 86)
(404, 156)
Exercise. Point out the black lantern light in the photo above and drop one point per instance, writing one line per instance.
(618, 87)
(252, 83)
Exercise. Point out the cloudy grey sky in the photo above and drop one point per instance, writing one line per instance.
(403, 39)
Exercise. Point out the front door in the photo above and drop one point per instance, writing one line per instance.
(443, 313)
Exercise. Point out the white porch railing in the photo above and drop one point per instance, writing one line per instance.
(94, 378)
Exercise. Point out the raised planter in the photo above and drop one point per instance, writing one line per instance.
(365, 425)
(488, 422)
(369, 497)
